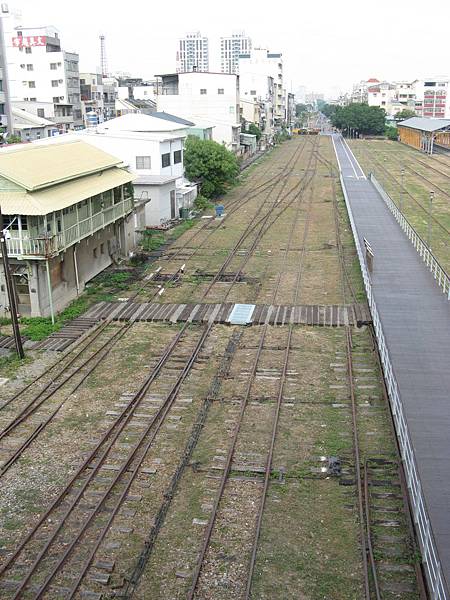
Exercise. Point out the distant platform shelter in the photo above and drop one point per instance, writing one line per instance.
(427, 135)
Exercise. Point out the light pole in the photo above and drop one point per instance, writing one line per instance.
(402, 189)
(429, 219)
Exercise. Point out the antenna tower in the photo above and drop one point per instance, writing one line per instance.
(103, 59)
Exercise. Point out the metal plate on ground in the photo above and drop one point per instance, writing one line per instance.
(241, 314)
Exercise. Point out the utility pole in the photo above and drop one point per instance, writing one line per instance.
(11, 290)
(429, 219)
(4, 11)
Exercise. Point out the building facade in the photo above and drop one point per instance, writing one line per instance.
(262, 72)
(207, 97)
(432, 97)
(193, 53)
(231, 48)
(41, 71)
(67, 211)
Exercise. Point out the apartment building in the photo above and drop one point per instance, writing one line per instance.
(262, 72)
(192, 53)
(432, 97)
(212, 98)
(231, 48)
(41, 71)
(92, 98)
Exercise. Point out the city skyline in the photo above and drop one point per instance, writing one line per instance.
(324, 53)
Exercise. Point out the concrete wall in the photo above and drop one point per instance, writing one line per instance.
(158, 208)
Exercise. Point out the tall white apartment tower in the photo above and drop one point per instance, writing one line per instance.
(230, 49)
(193, 53)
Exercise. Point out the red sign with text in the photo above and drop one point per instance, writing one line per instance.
(29, 41)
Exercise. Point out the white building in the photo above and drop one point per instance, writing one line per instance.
(193, 53)
(30, 127)
(360, 89)
(262, 72)
(231, 48)
(40, 70)
(152, 149)
(206, 97)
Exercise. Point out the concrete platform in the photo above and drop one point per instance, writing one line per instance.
(415, 317)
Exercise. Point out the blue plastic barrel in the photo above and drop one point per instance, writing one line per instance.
(219, 210)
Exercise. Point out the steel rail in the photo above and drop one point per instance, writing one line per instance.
(120, 423)
(357, 464)
(134, 472)
(279, 399)
(232, 447)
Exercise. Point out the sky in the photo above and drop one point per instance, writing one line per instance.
(327, 45)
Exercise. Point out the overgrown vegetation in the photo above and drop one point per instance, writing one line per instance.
(391, 133)
(100, 289)
(211, 165)
(255, 130)
(201, 203)
(154, 239)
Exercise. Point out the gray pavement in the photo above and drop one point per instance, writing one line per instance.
(415, 316)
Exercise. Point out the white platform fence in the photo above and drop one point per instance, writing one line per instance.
(441, 277)
(437, 586)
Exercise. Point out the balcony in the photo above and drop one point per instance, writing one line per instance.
(40, 248)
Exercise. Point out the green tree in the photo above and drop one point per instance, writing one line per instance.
(361, 117)
(255, 130)
(211, 165)
(406, 113)
(300, 109)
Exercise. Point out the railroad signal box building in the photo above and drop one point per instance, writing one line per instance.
(67, 215)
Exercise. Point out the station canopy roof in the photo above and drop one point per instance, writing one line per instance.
(425, 124)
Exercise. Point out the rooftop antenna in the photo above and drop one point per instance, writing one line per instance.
(103, 59)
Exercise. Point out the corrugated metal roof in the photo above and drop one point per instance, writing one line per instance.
(61, 196)
(35, 167)
(425, 124)
(168, 117)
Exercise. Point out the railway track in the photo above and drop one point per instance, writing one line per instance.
(229, 488)
(66, 549)
(74, 522)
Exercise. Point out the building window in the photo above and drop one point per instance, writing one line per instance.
(56, 99)
(165, 159)
(53, 66)
(102, 248)
(252, 92)
(32, 84)
(220, 91)
(41, 112)
(2, 109)
(32, 99)
(177, 157)
(94, 252)
(54, 83)
(202, 91)
(30, 67)
(143, 162)
(27, 50)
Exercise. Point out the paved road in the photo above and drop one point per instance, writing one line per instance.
(415, 315)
